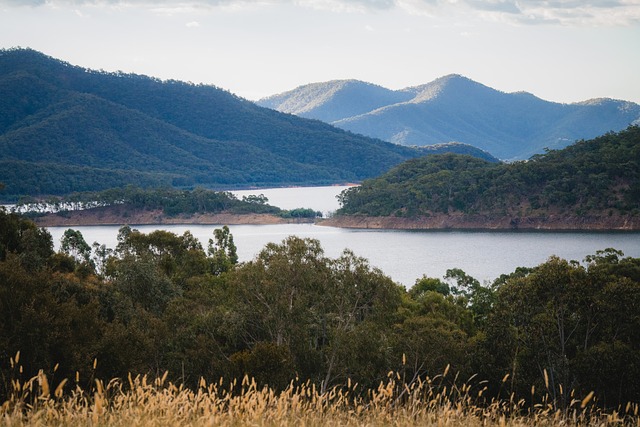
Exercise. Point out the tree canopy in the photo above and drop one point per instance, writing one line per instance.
(170, 201)
(160, 301)
(66, 129)
(598, 177)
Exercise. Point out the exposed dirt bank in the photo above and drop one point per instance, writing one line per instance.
(117, 215)
(482, 222)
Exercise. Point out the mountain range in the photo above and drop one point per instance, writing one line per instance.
(64, 128)
(454, 108)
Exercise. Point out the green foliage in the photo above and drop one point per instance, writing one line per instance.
(578, 324)
(27, 178)
(18, 235)
(458, 148)
(316, 308)
(171, 202)
(597, 177)
(258, 200)
(301, 213)
(160, 301)
(429, 284)
(66, 129)
(267, 363)
(222, 250)
(73, 244)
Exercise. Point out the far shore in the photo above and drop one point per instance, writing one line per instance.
(117, 215)
(484, 222)
(111, 216)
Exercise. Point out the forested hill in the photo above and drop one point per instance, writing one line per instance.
(64, 128)
(599, 178)
(455, 108)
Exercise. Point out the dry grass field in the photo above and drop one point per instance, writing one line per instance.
(137, 401)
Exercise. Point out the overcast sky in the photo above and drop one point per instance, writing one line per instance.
(559, 50)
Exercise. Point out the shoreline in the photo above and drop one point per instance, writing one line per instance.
(123, 216)
(115, 216)
(487, 223)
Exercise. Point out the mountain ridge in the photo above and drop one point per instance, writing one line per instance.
(320, 106)
(65, 128)
(510, 126)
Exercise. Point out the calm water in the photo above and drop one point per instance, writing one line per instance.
(402, 255)
(321, 199)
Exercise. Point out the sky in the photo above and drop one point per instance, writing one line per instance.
(559, 50)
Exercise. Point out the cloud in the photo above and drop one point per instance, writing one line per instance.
(564, 12)
(22, 2)
(559, 12)
(588, 12)
(499, 6)
(342, 5)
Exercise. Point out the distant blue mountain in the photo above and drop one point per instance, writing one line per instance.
(454, 108)
(335, 100)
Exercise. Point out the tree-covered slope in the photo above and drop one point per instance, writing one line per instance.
(458, 148)
(599, 177)
(87, 131)
(455, 108)
(55, 116)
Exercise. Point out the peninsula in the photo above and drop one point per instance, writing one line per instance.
(590, 185)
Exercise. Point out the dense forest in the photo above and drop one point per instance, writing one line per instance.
(599, 177)
(161, 301)
(65, 129)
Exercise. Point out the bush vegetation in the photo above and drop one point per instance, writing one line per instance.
(170, 201)
(550, 335)
(66, 129)
(597, 177)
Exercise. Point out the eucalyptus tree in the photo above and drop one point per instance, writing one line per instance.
(73, 244)
(332, 316)
(569, 328)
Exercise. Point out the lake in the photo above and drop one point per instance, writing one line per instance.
(321, 199)
(403, 255)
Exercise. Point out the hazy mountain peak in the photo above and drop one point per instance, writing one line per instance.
(333, 100)
(454, 107)
(614, 107)
(605, 101)
(453, 79)
(451, 85)
(524, 94)
(307, 97)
